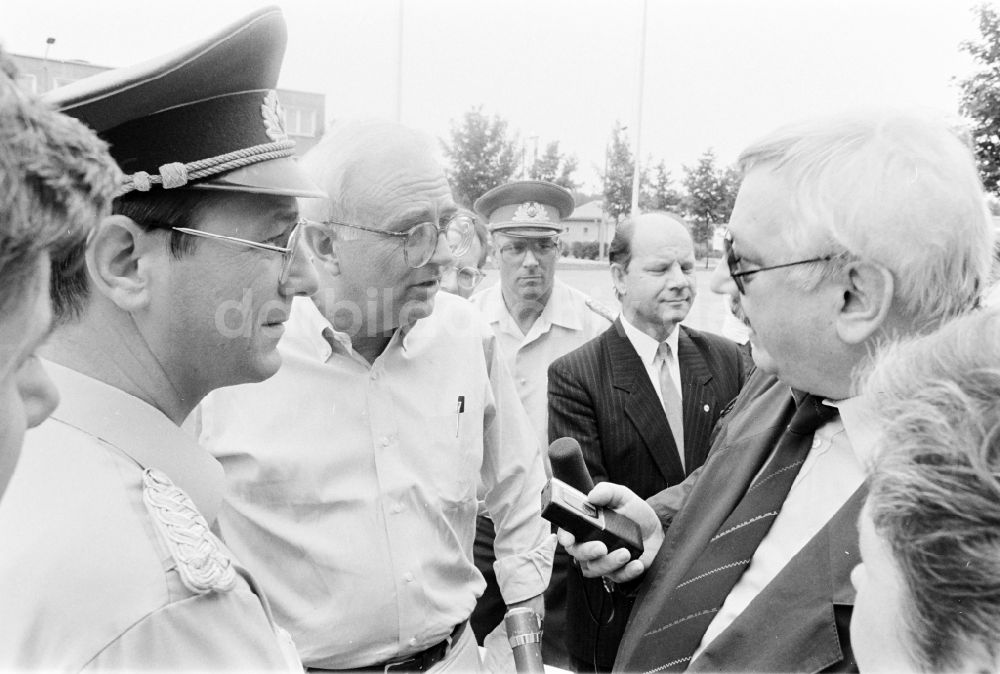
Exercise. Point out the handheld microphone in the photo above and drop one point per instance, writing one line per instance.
(564, 503)
(524, 633)
(567, 464)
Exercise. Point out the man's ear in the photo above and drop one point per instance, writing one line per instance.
(618, 278)
(866, 302)
(323, 246)
(119, 261)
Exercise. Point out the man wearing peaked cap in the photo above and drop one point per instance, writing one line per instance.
(184, 288)
(536, 319)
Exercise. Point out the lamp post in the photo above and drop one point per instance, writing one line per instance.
(47, 80)
(636, 176)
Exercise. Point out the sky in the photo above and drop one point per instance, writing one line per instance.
(718, 73)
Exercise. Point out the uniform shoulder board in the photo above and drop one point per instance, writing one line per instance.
(599, 308)
(202, 563)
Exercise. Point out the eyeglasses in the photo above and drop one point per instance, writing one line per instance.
(287, 251)
(466, 278)
(733, 262)
(514, 252)
(420, 241)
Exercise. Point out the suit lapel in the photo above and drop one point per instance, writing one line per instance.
(698, 401)
(810, 590)
(642, 405)
(730, 468)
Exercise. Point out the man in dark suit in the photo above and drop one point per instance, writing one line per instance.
(847, 233)
(643, 416)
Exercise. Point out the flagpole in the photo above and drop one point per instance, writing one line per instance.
(636, 173)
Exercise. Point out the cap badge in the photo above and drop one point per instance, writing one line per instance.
(274, 117)
(531, 211)
(202, 563)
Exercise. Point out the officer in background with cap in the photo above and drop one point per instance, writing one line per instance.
(536, 319)
(110, 560)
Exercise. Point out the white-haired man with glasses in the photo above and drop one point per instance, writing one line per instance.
(353, 473)
(848, 233)
(464, 275)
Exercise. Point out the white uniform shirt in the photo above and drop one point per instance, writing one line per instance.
(89, 578)
(566, 322)
(835, 467)
(352, 486)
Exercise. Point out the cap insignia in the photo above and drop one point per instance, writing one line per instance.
(274, 116)
(202, 563)
(531, 211)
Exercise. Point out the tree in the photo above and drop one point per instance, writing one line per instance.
(981, 97)
(659, 193)
(732, 178)
(618, 173)
(709, 201)
(555, 167)
(482, 154)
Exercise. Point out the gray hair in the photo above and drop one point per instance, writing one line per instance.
(898, 189)
(935, 490)
(336, 162)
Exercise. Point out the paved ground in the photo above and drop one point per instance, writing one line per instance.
(707, 314)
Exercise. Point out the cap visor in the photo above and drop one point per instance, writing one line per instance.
(276, 176)
(520, 230)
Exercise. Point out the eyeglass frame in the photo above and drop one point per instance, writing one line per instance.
(287, 252)
(477, 274)
(528, 240)
(737, 274)
(442, 229)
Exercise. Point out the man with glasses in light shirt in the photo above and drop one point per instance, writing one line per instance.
(464, 275)
(535, 317)
(111, 560)
(353, 474)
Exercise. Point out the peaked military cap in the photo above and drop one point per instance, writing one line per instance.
(526, 208)
(205, 116)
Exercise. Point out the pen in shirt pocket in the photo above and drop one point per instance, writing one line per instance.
(458, 417)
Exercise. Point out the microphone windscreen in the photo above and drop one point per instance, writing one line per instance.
(568, 465)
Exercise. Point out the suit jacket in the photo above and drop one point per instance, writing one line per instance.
(601, 395)
(800, 621)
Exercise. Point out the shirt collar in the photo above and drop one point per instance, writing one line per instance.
(559, 310)
(142, 432)
(860, 425)
(311, 325)
(645, 345)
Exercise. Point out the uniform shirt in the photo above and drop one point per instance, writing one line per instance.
(107, 564)
(569, 319)
(835, 467)
(352, 486)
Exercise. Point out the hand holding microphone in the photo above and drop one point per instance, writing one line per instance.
(564, 503)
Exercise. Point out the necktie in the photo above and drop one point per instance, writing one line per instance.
(671, 398)
(688, 609)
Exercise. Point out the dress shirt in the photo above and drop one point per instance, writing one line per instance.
(835, 467)
(646, 347)
(88, 574)
(352, 486)
(569, 319)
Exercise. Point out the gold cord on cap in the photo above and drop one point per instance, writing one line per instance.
(177, 174)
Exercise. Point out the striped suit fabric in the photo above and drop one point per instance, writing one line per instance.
(601, 395)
